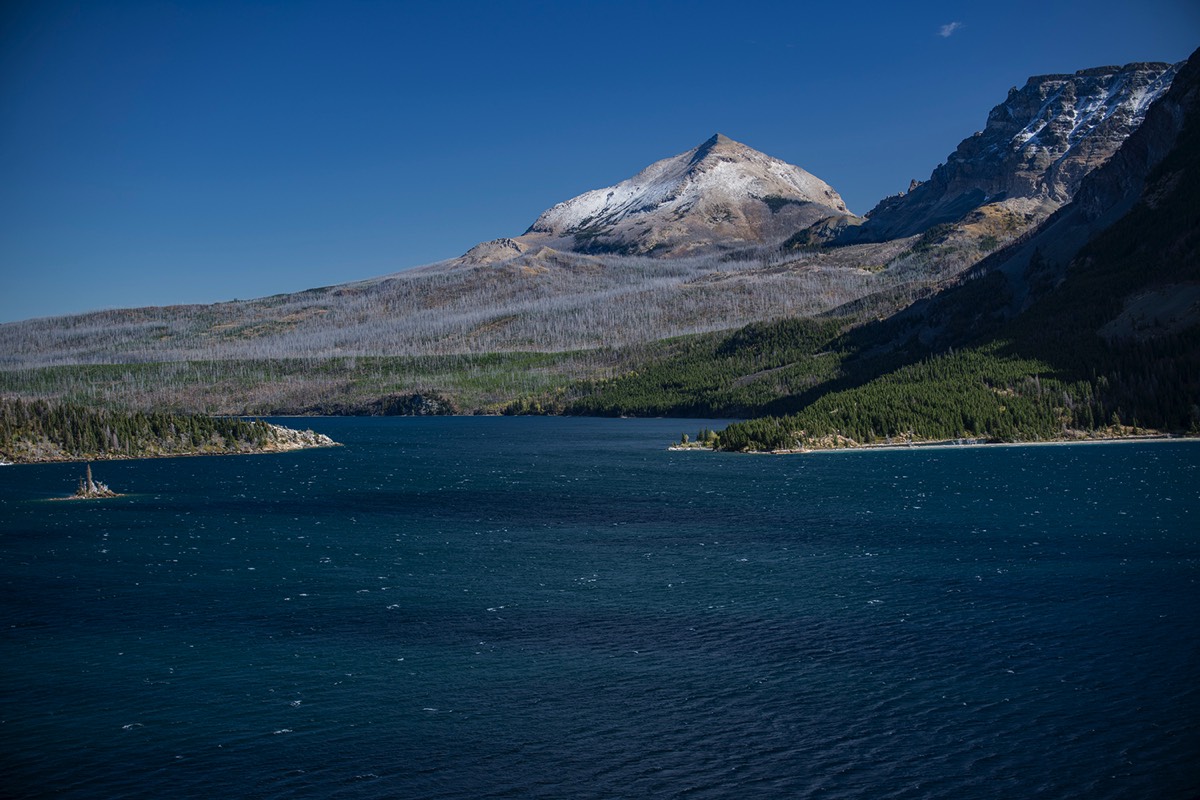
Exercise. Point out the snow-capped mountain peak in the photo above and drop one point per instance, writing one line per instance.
(720, 191)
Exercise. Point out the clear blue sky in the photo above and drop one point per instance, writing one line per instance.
(154, 153)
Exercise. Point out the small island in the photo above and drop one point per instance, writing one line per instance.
(90, 489)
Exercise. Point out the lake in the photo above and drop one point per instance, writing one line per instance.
(561, 608)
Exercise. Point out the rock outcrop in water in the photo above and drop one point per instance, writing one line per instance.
(90, 489)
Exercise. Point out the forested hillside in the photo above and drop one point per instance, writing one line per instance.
(995, 393)
(746, 372)
(353, 385)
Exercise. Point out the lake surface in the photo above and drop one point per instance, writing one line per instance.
(560, 608)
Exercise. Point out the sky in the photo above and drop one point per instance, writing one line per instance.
(155, 153)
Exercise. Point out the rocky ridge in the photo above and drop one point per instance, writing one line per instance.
(1034, 152)
(1133, 209)
(1149, 173)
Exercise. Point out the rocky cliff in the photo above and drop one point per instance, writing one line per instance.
(1126, 249)
(1034, 151)
(1143, 198)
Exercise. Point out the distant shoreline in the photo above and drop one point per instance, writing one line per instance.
(948, 444)
(953, 444)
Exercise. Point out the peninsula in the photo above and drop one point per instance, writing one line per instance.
(40, 431)
(837, 443)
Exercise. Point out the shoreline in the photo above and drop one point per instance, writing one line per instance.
(86, 497)
(122, 457)
(956, 444)
(944, 444)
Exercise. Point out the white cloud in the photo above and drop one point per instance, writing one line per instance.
(948, 29)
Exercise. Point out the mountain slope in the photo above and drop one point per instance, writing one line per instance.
(1033, 153)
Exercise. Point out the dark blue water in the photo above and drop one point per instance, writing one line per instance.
(560, 608)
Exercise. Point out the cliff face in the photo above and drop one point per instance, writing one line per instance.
(1037, 147)
(1142, 202)
(721, 193)
(1122, 260)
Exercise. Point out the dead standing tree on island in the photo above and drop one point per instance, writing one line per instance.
(89, 488)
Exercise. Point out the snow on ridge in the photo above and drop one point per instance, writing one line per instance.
(1091, 109)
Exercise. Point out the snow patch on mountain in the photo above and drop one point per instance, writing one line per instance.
(1089, 111)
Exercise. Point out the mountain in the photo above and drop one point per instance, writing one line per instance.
(1138, 199)
(690, 244)
(602, 285)
(721, 193)
(1088, 327)
(1033, 153)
